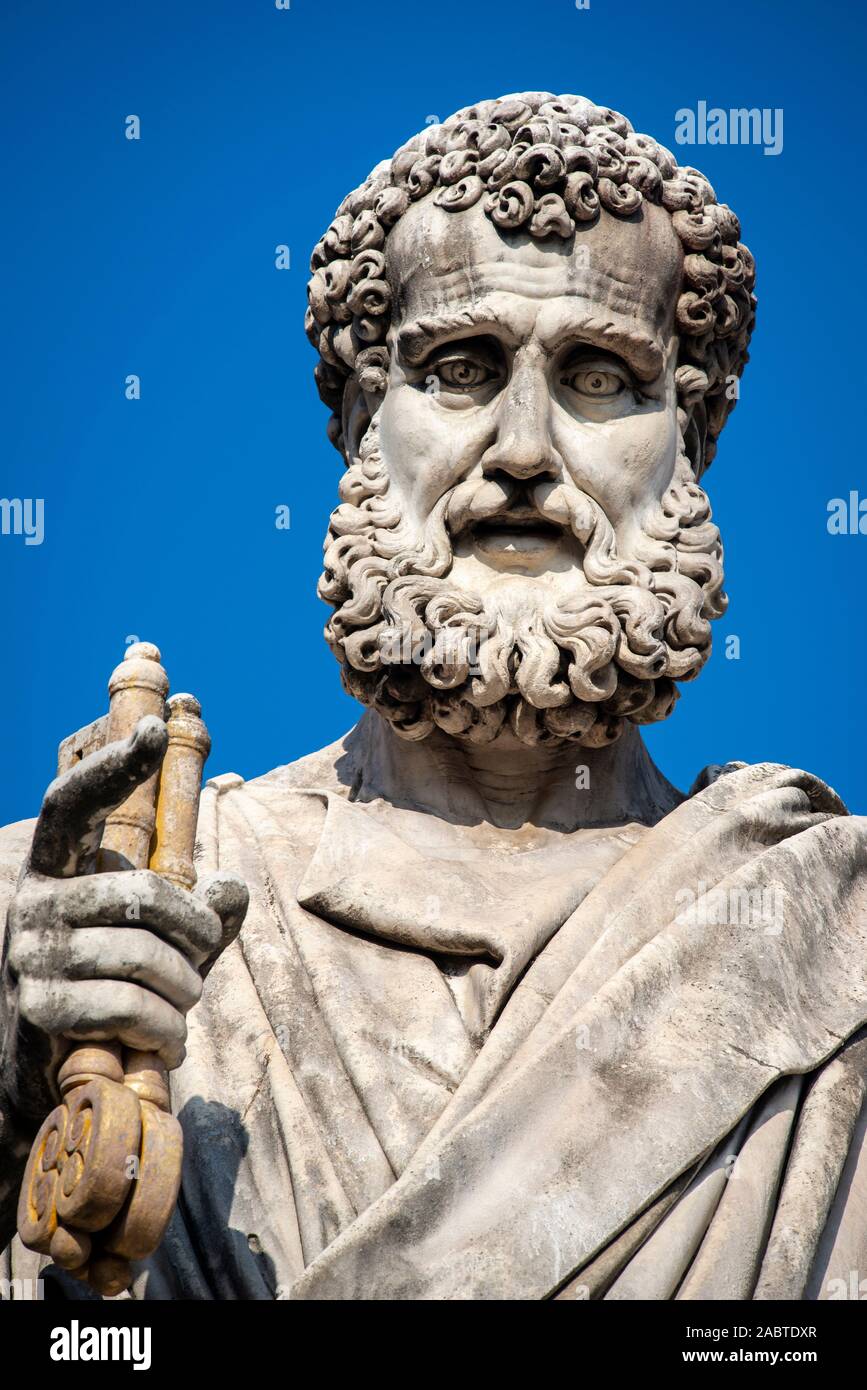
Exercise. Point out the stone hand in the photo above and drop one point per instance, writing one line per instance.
(102, 956)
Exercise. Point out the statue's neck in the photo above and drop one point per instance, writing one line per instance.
(510, 785)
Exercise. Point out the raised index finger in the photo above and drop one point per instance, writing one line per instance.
(77, 803)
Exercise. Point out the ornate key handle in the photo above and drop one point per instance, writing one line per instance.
(105, 1168)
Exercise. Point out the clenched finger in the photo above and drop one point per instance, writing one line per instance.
(228, 896)
(135, 897)
(105, 1011)
(108, 953)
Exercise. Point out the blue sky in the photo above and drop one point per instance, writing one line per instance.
(156, 257)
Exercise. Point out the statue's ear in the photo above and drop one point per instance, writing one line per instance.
(695, 437)
(355, 418)
(360, 404)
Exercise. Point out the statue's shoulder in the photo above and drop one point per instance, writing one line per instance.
(14, 848)
(731, 783)
(14, 845)
(289, 804)
(330, 769)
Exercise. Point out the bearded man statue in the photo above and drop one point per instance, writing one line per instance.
(509, 1017)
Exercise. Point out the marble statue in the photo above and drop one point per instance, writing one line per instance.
(509, 1016)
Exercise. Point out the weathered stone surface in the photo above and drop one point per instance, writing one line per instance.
(510, 1016)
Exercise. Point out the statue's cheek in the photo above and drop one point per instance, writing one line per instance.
(429, 446)
(622, 463)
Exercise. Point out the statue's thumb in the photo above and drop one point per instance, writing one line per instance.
(228, 896)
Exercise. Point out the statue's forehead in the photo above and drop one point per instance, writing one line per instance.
(631, 268)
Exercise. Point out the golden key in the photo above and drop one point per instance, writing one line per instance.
(104, 1171)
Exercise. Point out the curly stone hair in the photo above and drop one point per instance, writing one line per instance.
(542, 164)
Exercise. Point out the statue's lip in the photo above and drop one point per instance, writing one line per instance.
(511, 534)
(522, 520)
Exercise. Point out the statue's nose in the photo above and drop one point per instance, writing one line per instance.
(523, 446)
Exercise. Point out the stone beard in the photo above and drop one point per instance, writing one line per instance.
(427, 654)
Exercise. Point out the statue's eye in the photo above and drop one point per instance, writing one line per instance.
(462, 373)
(593, 381)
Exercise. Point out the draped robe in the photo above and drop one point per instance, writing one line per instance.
(427, 1071)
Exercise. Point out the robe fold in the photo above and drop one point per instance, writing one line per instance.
(627, 1064)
